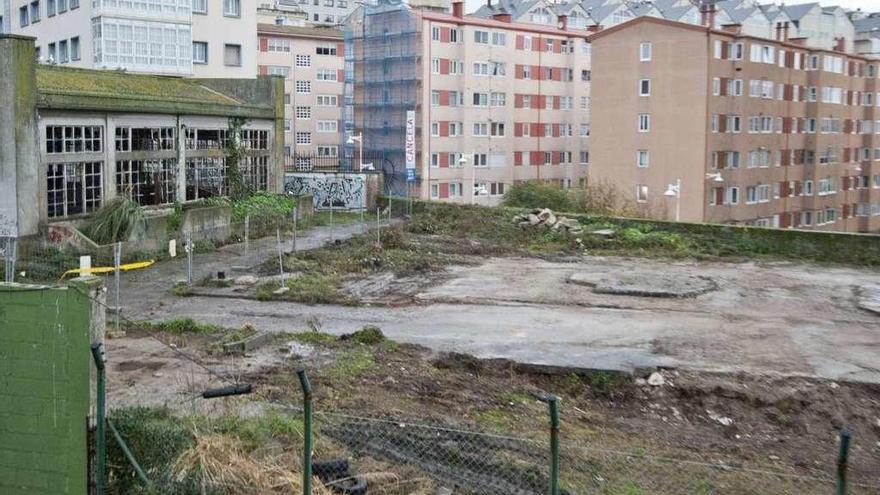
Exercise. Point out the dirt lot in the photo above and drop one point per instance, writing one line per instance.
(760, 369)
(736, 420)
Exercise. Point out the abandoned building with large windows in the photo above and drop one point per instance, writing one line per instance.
(82, 137)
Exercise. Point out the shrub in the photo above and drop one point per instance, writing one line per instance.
(114, 221)
(155, 438)
(538, 195)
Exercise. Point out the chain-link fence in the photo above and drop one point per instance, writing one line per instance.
(355, 453)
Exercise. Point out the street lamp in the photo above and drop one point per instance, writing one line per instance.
(674, 191)
(359, 138)
(716, 177)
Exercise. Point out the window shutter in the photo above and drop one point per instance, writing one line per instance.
(517, 129)
(846, 155)
(722, 123)
(444, 160)
(444, 38)
(444, 128)
(444, 190)
(536, 157)
(518, 100)
(520, 42)
(724, 81)
(444, 98)
(722, 160)
(725, 50)
(519, 71)
(340, 49)
(517, 158)
(536, 129)
(444, 66)
(263, 70)
(264, 44)
(719, 195)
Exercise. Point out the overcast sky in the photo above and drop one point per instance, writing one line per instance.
(867, 5)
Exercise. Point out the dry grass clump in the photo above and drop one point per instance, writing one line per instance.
(220, 462)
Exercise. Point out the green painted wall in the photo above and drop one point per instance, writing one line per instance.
(44, 390)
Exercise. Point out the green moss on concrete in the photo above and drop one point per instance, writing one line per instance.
(81, 89)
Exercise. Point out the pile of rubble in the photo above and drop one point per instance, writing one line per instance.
(545, 217)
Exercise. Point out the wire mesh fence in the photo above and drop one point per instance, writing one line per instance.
(371, 454)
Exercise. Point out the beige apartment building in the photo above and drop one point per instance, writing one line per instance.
(767, 132)
(495, 102)
(311, 61)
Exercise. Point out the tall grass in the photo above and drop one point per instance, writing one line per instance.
(114, 221)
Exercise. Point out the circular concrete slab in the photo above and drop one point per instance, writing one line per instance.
(647, 284)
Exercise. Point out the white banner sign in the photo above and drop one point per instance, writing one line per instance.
(410, 139)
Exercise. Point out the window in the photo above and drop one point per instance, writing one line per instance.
(302, 113)
(645, 87)
(278, 70)
(499, 39)
(751, 195)
(481, 99)
(644, 122)
(496, 129)
(200, 52)
(63, 54)
(23, 16)
(232, 55)
(455, 189)
(642, 158)
(149, 182)
(50, 8)
(328, 150)
(435, 191)
(74, 139)
(73, 188)
(303, 60)
(327, 100)
(540, 16)
(732, 195)
(641, 193)
(480, 160)
(435, 98)
(280, 45)
(481, 129)
(497, 99)
(35, 12)
(62, 5)
(303, 138)
(327, 75)
(481, 37)
(585, 130)
(232, 8)
(304, 87)
(736, 51)
(326, 49)
(74, 48)
(328, 126)
(645, 51)
(585, 157)
(200, 6)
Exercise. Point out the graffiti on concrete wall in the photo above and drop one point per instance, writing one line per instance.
(337, 191)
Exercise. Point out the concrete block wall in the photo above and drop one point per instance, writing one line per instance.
(44, 389)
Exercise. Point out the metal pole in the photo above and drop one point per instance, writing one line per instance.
(100, 421)
(280, 255)
(553, 401)
(678, 201)
(117, 259)
(189, 259)
(842, 458)
(247, 233)
(362, 218)
(293, 250)
(378, 228)
(128, 454)
(307, 431)
(331, 221)
(9, 264)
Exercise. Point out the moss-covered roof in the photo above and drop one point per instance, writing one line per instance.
(71, 88)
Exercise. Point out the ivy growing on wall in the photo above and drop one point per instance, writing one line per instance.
(235, 149)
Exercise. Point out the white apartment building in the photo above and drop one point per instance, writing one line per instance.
(311, 61)
(201, 38)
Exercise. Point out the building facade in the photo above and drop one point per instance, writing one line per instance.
(82, 137)
(494, 102)
(198, 38)
(758, 131)
(311, 61)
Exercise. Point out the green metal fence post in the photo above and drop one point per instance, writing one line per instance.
(553, 401)
(129, 455)
(307, 431)
(842, 457)
(100, 433)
